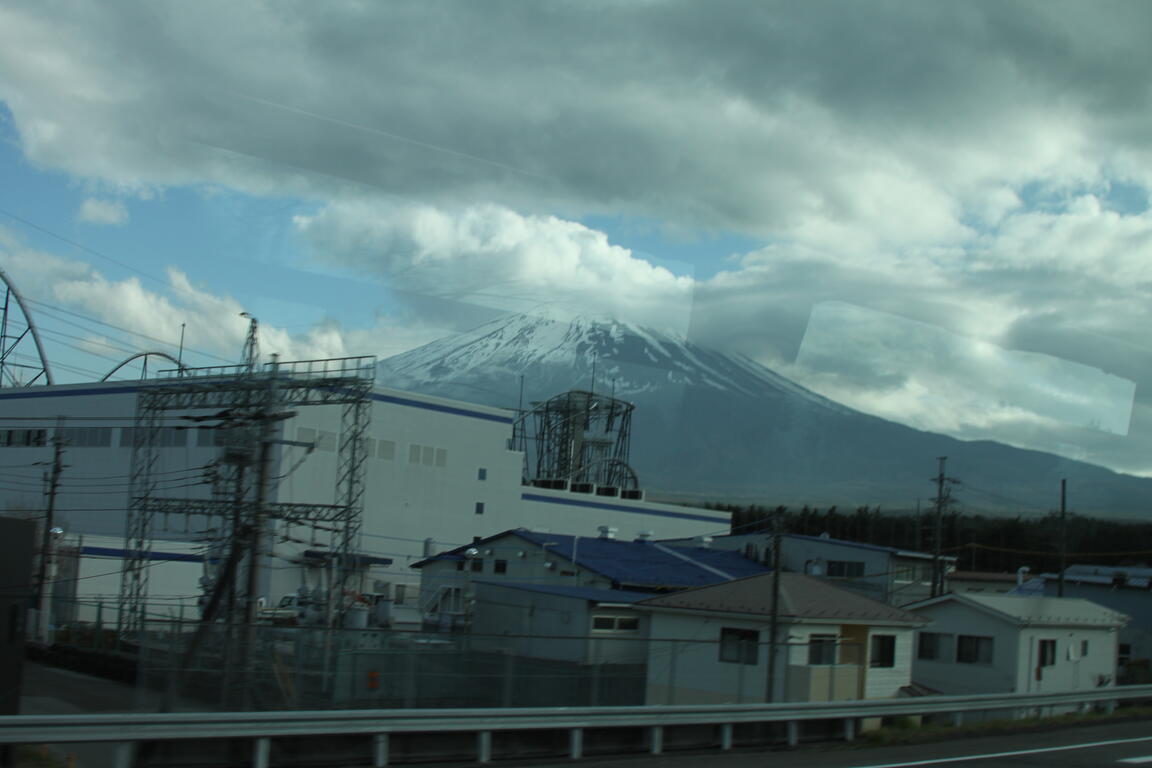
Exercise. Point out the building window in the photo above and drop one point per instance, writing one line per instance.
(1047, 653)
(386, 450)
(739, 646)
(413, 454)
(845, 569)
(478, 565)
(459, 565)
(821, 650)
(615, 623)
(326, 441)
(369, 447)
(441, 457)
(883, 653)
(398, 594)
(500, 566)
(482, 474)
(930, 646)
(973, 649)
(86, 437)
(428, 457)
(1123, 653)
(479, 507)
(1083, 648)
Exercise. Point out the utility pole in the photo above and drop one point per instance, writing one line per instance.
(53, 478)
(774, 625)
(1063, 536)
(943, 499)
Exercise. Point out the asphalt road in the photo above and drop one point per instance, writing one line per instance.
(1095, 746)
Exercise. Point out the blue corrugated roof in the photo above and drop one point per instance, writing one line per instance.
(633, 563)
(591, 594)
(648, 564)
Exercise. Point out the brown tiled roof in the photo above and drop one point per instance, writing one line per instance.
(801, 597)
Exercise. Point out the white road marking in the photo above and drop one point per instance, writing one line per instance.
(1135, 760)
(989, 755)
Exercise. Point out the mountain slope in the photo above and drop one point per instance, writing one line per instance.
(716, 426)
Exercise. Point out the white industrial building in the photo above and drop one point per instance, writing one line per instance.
(436, 474)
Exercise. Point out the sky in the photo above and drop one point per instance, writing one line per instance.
(934, 212)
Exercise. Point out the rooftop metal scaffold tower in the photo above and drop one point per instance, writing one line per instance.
(247, 406)
(577, 437)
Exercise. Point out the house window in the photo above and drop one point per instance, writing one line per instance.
(413, 454)
(441, 457)
(973, 649)
(478, 565)
(845, 569)
(1124, 653)
(615, 623)
(739, 646)
(928, 646)
(428, 456)
(479, 507)
(883, 652)
(459, 565)
(386, 450)
(1047, 653)
(821, 650)
(1083, 648)
(500, 566)
(482, 473)
(398, 594)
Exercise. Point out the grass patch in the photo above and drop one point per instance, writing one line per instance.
(36, 756)
(906, 730)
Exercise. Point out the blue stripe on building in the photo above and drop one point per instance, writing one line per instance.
(441, 408)
(623, 508)
(123, 553)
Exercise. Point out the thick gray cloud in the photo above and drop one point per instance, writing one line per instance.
(955, 165)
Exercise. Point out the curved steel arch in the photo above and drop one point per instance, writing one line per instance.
(138, 355)
(6, 349)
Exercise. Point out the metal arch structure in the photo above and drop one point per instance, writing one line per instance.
(12, 372)
(179, 366)
(577, 437)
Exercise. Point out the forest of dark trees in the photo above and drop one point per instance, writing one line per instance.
(981, 543)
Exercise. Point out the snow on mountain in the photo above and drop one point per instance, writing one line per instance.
(709, 425)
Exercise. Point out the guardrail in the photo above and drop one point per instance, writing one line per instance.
(262, 727)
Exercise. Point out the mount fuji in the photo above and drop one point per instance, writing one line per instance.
(714, 426)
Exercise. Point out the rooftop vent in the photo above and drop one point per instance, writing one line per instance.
(607, 532)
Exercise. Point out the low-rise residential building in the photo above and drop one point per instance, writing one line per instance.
(889, 574)
(713, 644)
(449, 598)
(979, 643)
(1123, 589)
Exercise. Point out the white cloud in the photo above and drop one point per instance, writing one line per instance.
(96, 211)
(494, 257)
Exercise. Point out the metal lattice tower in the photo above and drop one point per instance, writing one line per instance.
(244, 402)
(22, 359)
(577, 437)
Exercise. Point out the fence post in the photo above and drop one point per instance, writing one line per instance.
(656, 739)
(484, 747)
(260, 750)
(793, 733)
(849, 729)
(380, 750)
(671, 697)
(576, 743)
(726, 736)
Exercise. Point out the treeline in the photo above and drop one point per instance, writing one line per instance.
(979, 542)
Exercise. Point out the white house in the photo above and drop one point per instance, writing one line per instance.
(980, 643)
(713, 644)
